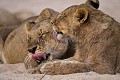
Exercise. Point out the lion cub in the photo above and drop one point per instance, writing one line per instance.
(52, 45)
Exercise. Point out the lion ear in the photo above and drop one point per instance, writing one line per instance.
(94, 3)
(47, 13)
(28, 26)
(80, 16)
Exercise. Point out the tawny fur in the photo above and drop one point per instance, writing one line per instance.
(98, 43)
(16, 45)
(47, 44)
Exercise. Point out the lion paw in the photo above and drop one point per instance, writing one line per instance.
(33, 71)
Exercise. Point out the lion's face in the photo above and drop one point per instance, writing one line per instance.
(37, 33)
(41, 27)
(42, 34)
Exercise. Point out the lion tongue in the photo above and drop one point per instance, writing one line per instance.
(38, 56)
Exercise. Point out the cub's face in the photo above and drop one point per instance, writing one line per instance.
(37, 32)
(42, 34)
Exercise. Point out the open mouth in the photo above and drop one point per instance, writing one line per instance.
(39, 57)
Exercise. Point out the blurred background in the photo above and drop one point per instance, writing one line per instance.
(110, 7)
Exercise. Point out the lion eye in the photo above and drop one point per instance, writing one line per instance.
(32, 22)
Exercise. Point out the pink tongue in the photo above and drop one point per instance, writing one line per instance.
(38, 56)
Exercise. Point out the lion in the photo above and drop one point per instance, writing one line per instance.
(52, 45)
(17, 44)
(98, 41)
(8, 23)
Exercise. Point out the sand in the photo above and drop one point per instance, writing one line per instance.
(18, 72)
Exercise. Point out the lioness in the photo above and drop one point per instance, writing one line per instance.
(27, 35)
(98, 41)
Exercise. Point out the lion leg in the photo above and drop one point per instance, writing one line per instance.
(64, 67)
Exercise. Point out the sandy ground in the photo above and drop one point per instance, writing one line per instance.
(18, 71)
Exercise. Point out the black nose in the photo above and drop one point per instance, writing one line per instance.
(32, 50)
